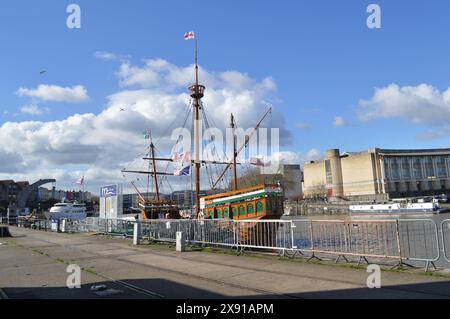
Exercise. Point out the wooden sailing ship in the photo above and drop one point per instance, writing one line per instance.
(258, 202)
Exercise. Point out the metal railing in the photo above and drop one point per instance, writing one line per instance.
(445, 233)
(32, 223)
(265, 234)
(414, 240)
(403, 240)
(270, 234)
(347, 238)
(419, 240)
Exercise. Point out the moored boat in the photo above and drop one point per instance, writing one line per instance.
(396, 209)
(65, 210)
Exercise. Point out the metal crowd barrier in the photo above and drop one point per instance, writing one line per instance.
(419, 240)
(115, 227)
(162, 230)
(265, 234)
(403, 240)
(269, 234)
(445, 232)
(214, 232)
(347, 238)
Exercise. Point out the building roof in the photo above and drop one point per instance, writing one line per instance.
(414, 152)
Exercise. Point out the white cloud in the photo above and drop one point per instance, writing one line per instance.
(339, 121)
(33, 109)
(422, 104)
(102, 144)
(303, 126)
(109, 56)
(54, 93)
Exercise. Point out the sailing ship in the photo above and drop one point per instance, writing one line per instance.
(258, 202)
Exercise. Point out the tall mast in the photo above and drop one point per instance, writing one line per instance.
(155, 175)
(233, 127)
(238, 151)
(197, 93)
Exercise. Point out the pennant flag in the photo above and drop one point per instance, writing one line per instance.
(185, 171)
(189, 35)
(184, 157)
(80, 181)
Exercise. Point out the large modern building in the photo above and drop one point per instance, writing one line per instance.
(379, 174)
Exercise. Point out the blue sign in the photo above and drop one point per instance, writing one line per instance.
(108, 191)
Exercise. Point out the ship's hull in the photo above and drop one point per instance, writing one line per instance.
(152, 211)
(65, 215)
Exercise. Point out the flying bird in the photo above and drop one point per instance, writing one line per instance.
(42, 72)
(122, 110)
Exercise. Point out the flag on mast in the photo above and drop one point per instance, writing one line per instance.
(183, 157)
(185, 171)
(189, 35)
(80, 181)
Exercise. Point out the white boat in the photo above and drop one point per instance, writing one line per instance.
(67, 211)
(396, 209)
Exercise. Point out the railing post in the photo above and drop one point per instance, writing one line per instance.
(399, 249)
(181, 242)
(137, 233)
(311, 234)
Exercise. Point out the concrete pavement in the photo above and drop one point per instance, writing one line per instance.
(33, 265)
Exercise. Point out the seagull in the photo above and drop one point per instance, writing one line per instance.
(122, 110)
(42, 72)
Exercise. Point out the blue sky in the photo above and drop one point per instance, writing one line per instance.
(320, 54)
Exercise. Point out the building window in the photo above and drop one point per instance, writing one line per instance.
(441, 167)
(234, 210)
(250, 209)
(225, 213)
(219, 213)
(417, 168)
(429, 171)
(405, 168)
(395, 168)
(387, 170)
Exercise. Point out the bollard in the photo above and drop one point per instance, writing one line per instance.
(181, 241)
(137, 233)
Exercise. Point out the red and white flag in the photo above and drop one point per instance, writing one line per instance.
(189, 35)
(80, 181)
(182, 157)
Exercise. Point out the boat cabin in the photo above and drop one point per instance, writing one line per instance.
(258, 202)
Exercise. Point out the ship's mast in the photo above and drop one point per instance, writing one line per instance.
(233, 127)
(155, 175)
(241, 148)
(197, 93)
